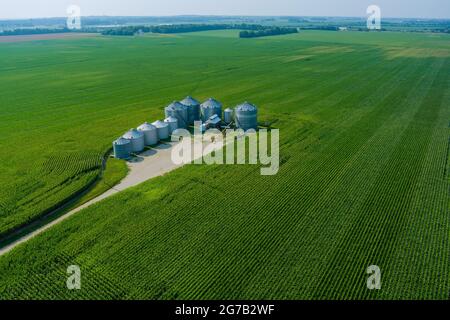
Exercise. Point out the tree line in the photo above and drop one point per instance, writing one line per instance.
(181, 28)
(32, 31)
(272, 31)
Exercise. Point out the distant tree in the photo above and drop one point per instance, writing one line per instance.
(182, 28)
(272, 31)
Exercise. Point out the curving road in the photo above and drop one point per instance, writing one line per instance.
(147, 165)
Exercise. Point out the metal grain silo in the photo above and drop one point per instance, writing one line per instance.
(180, 134)
(137, 140)
(150, 133)
(173, 124)
(179, 111)
(193, 109)
(246, 116)
(122, 148)
(162, 129)
(228, 115)
(209, 108)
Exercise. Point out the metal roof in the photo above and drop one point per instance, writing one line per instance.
(179, 132)
(189, 101)
(171, 119)
(133, 134)
(160, 124)
(146, 127)
(246, 106)
(121, 141)
(211, 103)
(214, 119)
(176, 106)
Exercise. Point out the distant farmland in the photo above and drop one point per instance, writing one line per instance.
(34, 37)
(364, 127)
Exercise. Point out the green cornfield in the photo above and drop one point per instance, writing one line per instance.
(364, 127)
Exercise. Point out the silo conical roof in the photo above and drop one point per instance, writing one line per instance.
(160, 124)
(121, 141)
(176, 106)
(171, 119)
(146, 127)
(211, 103)
(133, 134)
(246, 106)
(189, 101)
(179, 132)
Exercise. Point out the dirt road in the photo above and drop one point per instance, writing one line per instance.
(147, 165)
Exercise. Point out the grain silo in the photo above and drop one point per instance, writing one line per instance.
(122, 148)
(228, 115)
(180, 134)
(150, 133)
(137, 140)
(246, 116)
(209, 108)
(179, 111)
(193, 109)
(162, 129)
(173, 124)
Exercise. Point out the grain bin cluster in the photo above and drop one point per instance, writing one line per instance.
(182, 115)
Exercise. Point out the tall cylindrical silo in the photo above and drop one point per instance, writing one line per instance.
(162, 129)
(137, 140)
(246, 116)
(209, 108)
(228, 115)
(179, 111)
(193, 109)
(122, 148)
(150, 133)
(173, 123)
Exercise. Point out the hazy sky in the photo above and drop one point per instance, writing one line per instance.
(11, 9)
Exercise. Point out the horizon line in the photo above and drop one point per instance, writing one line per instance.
(215, 15)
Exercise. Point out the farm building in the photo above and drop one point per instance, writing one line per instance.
(180, 111)
(246, 116)
(162, 129)
(137, 140)
(122, 148)
(213, 122)
(173, 123)
(180, 133)
(228, 116)
(209, 108)
(150, 133)
(193, 109)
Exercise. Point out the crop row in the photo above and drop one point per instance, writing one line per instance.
(58, 178)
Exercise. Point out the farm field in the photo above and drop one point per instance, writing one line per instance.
(34, 37)
(364, 127)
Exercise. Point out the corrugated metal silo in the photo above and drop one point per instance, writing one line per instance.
(162, 129)
(122, 148)
(228, 115)
(150, 133)
(173, 124)
(193, 109)
(209, 108)
(180, 133)
(246, 116)
(179, 111)
(137, 140)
